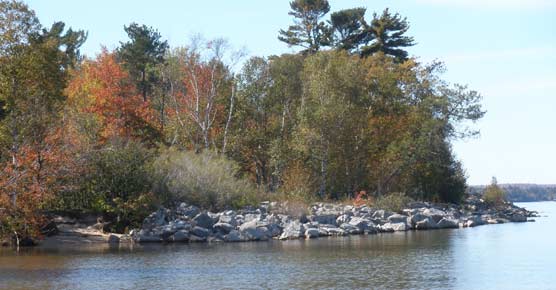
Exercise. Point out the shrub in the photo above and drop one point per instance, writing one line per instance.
(298, 184)
(206, 179)
(493, 194)
(395, 202)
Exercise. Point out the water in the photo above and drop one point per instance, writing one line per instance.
(508, 256)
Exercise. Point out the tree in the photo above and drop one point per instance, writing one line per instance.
(202, 109)
(386, 35)
(494, 194)
(141, 53)
(102, 93)
(308, 30)
(347, 28)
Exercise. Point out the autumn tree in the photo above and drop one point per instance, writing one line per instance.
(202, 108)
(108, 104)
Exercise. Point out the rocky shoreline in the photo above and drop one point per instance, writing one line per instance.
(188, 223)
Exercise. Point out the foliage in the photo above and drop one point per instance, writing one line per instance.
(494, 194)
(145, 125)
(394, 202)
(206, 179)
(141, 54)
(308, 30)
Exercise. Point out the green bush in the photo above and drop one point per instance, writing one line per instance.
(395, 202)
(493, 194)
(207, 179)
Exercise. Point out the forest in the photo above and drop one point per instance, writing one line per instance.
(350, 115)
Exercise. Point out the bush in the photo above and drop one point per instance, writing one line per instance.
(395, 202)
(493, 194)
(207, 179)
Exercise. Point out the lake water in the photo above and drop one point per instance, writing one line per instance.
(507, 256)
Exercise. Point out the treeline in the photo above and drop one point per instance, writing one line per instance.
(523, 192)
(149, 124)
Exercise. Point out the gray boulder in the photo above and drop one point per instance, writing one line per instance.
(312, 233)
(425, 224)
(447, 223)
(395, 227)
(361, 223)
(234, 236)
(188, 211)
(293, 230)
(351, 229)
(180, 236)
(435, 214)
(200, 232)
(204, 220)
(324, 219)
(254, 230)
(223, 228)
(397, 218)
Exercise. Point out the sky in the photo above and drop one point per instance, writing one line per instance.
(504, 49)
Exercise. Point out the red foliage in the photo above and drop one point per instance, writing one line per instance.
(103, 87)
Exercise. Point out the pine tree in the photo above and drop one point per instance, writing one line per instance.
(386, 35)
(144, 50)
(308, 31)
(347, 28)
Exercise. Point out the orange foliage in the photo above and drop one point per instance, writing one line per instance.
(102, 87)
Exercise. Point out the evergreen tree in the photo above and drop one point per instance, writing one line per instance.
(144, 51)
(308, 30)
(386, 35)
(347, 28)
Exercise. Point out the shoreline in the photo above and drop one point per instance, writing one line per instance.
(273, 221)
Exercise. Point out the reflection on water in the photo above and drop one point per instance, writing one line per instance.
(511, 256)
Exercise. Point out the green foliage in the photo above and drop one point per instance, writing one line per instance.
(394, 202)
(348, 28)
(141, 54)
(206, 179)
(494, 194)
(118, 183)
(386, 35)
(308, 30)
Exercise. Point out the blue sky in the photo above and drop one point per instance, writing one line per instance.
(505, 49)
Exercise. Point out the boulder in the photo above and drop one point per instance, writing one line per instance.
(204, 220)
(200, 232)
(447, 223)
(223, 228)
(518, 218)
(234, 236)
(228, 219)
(254, 230)
(312, 233)
(361, 223)
(180, 236)
(342, 219)
(324, 219)
(474, 221)
(147, 237)
(435, 214)
(425, 224)
(330, 230)
(351, 229)
(293, 230)
(188, 211)
(113, 239)
(381, 214)
(397, 218)
(395, 227)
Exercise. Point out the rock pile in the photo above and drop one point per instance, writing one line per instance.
(188, 223)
